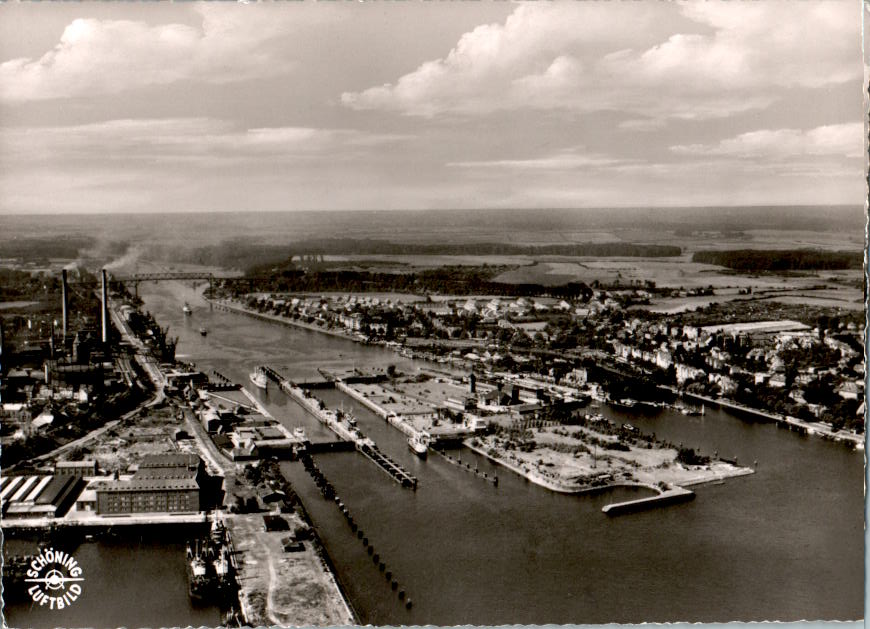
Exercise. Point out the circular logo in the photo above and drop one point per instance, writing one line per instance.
(55, 579)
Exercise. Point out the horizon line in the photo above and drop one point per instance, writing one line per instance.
(411, 210)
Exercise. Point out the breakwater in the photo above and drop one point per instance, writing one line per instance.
(668, 497)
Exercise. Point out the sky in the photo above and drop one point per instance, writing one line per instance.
(422, 104)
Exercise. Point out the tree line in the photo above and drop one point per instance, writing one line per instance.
(449, 280)
(781, 260)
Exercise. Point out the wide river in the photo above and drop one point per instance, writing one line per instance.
(785, 543)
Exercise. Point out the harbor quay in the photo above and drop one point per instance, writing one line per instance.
(283, 579)
(792, 423)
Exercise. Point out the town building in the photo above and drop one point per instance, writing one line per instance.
(163, 483)
(76, 468)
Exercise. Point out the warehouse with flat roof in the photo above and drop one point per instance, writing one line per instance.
(38, 495)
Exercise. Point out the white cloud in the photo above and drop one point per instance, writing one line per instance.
(846, 140)
(206, 140)
(569, 159)
(715, 59)
(642, 124)
(111, 56)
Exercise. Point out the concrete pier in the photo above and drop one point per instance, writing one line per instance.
(331, 420)
(667, 497)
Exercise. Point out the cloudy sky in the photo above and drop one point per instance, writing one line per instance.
(131, 107)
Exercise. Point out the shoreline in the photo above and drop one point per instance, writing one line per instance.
(711, 477)
(819, 429)
(238, 309)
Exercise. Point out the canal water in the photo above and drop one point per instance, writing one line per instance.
(138, 581)
(785, 543)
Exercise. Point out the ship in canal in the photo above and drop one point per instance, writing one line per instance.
(199, 582)
(419, 444)
(210, 572)
(259, 378)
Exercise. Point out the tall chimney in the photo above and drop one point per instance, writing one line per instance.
(64, 304)
(105, 307)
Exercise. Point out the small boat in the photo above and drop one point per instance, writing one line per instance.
(691, 412)
(299, 433)
(419, 444)
(203, 331)
(259, 378)
(186, 309)
(625, 403)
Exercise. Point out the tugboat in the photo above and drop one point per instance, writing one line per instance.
(186, 309)
(259, 378)
(419, 444)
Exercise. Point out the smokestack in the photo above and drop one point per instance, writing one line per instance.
(64, 303)
(105, 307)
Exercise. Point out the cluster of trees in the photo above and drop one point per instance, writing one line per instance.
(453, 280)
(781, 260)
(688, 456)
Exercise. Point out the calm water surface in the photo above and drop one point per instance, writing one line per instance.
(132, 582)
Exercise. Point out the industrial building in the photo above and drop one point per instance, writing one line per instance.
(38, 495)
(163, 483)
(76, 468)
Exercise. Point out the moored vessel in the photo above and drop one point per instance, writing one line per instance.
(419, 444)
(210, 571)
(200, 583)
(259, 378)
